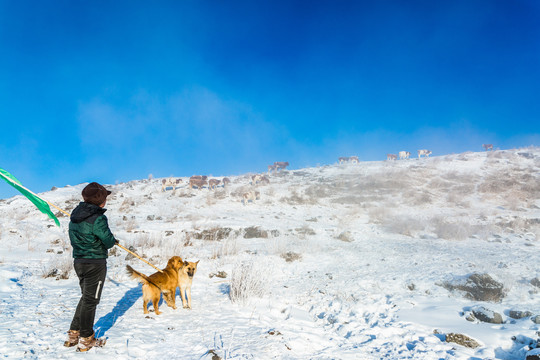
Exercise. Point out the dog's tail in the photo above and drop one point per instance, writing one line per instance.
(143, 279)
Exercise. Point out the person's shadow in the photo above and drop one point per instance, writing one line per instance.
(107, 321)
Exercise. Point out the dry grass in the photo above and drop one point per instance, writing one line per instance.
(127, 204)
(297, 199)
(227, 247)
(58, 268)
(404, 225)
(248, 279)
(291, 256)
(378, 214)
(451, 230)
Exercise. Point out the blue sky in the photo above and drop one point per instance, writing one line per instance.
(113, 91)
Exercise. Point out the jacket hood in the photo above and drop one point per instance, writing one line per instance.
(84, 211)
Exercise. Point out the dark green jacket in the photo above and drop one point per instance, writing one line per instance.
(89, 232)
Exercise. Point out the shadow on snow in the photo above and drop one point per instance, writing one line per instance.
(106, 322)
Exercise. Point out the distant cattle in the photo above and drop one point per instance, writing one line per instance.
(487, 146)
(226, 181)
(352, 159)
(199, 177)
(426, 153)
(170, 182)
(256, 178)
(272, 167)
(212, 183)
(281, 165)
(251, 195)
(404, 154)
(391, 157)
(259, 178)
(198, 181)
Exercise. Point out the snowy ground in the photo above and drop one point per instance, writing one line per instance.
(347, 261)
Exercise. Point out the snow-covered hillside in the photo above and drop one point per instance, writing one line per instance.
(351, 261)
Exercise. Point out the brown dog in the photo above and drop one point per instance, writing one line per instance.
(160, 282)
(185, 278)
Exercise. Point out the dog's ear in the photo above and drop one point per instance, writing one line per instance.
(186, 263)
(197, 263)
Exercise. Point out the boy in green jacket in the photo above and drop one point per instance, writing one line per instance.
(90, 238)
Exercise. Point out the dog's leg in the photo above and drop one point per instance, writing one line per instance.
(183, 295)
(145, 306)
(155, 301)
(188, 291)
(169, 298)
(173, 297)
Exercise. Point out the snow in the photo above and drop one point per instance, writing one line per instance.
(345, 262)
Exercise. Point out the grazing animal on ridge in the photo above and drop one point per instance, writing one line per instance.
(391, 157)
(250, 196)
(351, 159)
(226, 181)
(281, 165)
(255, 179)
(487, 146)
(259, 178)
(212, 183)
(170, 182)
(404, 154)
(198, 181)
(271, 168)
(426, 153)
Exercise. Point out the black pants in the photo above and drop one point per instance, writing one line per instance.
(91, 279)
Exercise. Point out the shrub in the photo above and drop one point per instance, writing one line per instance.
(291, 256)
(297, 199)
(345, 236)
(227, 247)
(405, 225)
(451, 230)
(58, 268)
(248, 279)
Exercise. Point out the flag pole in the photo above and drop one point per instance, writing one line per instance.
(68, 214)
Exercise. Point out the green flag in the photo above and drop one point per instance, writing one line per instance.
(41, 204)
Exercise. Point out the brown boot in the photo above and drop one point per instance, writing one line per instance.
(73, 338)
(86, 343)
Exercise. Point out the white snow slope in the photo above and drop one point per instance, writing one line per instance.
(333, 262)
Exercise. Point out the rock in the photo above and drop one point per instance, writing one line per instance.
(213, 234)
(291, 256)
(535, 282)
(478, 287)
(219, 274)
(516, 314)
(255, 232)
(485, 315)
(536, 319)
(346, 236)
(462, 340)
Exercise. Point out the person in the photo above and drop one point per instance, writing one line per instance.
(90, 238)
